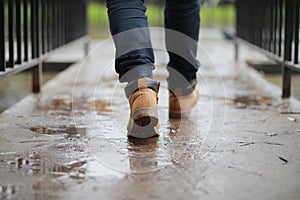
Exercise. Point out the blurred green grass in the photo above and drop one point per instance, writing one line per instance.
(212, 16)
(216, 16)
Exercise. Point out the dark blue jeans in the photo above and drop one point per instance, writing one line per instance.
(134, 51)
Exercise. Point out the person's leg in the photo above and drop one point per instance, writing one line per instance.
(182, 23)
(182, 16)
(134, 64)
(129, 27)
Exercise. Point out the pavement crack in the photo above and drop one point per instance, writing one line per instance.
(251, 143)
(245, 171)
(288, 113)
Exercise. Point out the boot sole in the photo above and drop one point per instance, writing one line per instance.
(143, 123)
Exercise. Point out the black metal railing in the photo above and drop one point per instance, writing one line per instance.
(272, 26)
(30, 29)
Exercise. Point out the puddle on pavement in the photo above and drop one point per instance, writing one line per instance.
(30, 163)
(100, 106)
(63, 114)
(252, 102)
(108, 142)
(68, 163)
(68, 131)
(175, 145)
(143, 154)
(8, 191)
(60, 102)
(47, 130)
(131, 155)
(243, 101)
(74, 170)
(36, 164)
(66, 106)
(69, 148)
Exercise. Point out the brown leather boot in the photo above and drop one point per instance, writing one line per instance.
(143, 120)
(181, 104)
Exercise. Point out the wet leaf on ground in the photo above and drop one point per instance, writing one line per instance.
(292, 119)
(258, 102)
(271, 134)
(283, 159)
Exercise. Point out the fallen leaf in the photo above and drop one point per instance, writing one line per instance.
(292, 119)
(271, 134)
(283, 159)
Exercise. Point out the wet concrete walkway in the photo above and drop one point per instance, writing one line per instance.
(69, 142)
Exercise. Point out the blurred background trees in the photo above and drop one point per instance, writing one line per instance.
(214, 14)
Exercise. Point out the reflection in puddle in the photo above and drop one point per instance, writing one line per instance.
(178, 140)
(74, 170)
(7, 191)
(35, 164)
(47, 130)
(76, 131)
(142, 154)
(30, 163)
(129, 155)
(142, 145)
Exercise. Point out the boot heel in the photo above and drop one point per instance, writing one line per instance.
(144, 123)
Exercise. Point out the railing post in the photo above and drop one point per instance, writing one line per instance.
(296, 31)
(2, 37)
(87, 41)
(36, 70)
(25, 28)
(52, 24)
(11, 25)
(288, 40)
(235, 42)
(18, 32)
(36, 78)
(236, 49)
(86, 47)
(286, 81)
